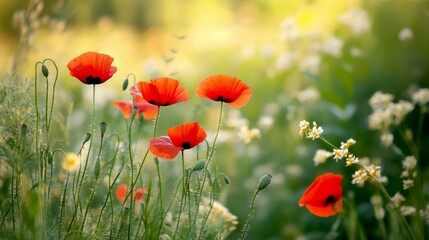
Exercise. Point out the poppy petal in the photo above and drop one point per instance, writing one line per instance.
(324, 196)
(225, 88)
(162, 91)
(125, 107)
(121, 191)
(149, 111)
(187, 135)
(163, 147)
(92, 67)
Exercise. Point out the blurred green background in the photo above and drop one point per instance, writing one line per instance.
(317, 60)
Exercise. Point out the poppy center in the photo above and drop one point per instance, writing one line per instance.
(186, 145)
(93, 80)
(222, 99)
(330, 199)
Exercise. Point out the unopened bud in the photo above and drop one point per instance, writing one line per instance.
(226, 179)
(125, 84)
(50, 157)
(97, 168)
(87, 137)
(45, 70)
(199, 165)
(156, 160)
(264, 182)
(103, 126)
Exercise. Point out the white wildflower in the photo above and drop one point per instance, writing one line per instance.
(386, 139)
(340, 153)
(303, 127)
(405, 34)
(347, 144)
(333, 46)
(380, 119)
(380, 100)
(315, 132)
(398, 199)
(321, 156)
(308, 95)
(421, 96)
(400, 110)
(357, 19)
(424, 213)
(285, 60)
(266, 121)
(407, 183)
(310, 64)
(247, 135)
(407, 210)
(351, 159)
(359, 177)
(409, 163)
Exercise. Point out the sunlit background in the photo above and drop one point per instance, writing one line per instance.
(316, 60)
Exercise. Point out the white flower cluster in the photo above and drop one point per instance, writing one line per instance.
(409, 164)
(387, 113)
(313, 133)
(372, 172)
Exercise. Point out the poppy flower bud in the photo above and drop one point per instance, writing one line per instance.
(103, 126)
(156, 160)
(87, 137)
(125, 84)
(199, 165)
(50, 157)
(264, 182)
(45, 70)
(97, 168)
(226, 179)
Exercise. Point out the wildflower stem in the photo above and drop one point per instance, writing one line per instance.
(160, 187)
(131, 189)
(63, 201)
(249, 219)
(183, 195)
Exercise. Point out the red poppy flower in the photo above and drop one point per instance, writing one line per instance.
(122, 190)
(148, 110)
(179, 138)
(92, 68)
(162, 91)
(226, 89)
(324, 196)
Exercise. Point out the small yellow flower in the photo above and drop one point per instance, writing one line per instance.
(407, 210)
(321, 156)
(409, 163)
(71, 162)
(303, 127)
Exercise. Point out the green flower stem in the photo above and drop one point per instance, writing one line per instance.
(80, 181)
(131, 188)
(249, 219)
(63, 201)
(110, 182)
(160, 187)
(209, 158)
(183, 198)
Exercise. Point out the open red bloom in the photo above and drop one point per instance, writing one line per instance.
(162, 91)
(324, 196)
(148, 110)
(92, 68)
(122, 190)
(179, 138)
(226, 89)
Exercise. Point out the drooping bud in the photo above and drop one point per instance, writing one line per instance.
(226, 179)
(199, 165)
(45, 71)
(125, 84)
(87, 137)
(264, 182)
(103, 126)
